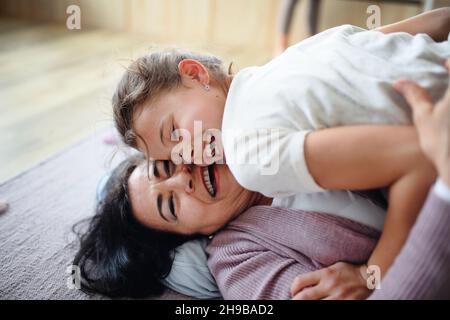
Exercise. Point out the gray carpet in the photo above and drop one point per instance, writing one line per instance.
(35, 233)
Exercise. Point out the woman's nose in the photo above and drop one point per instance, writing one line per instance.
(182, 179)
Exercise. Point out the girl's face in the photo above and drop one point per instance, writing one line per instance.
(187, 199)
(198, 101)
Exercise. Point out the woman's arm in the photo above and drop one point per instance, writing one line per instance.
(421, 269)
(435, 23)
(365, 157)
(419, 272)
(250, 271)
(248, 264)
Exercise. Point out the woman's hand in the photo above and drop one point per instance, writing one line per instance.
(337, 282)
(432, 123)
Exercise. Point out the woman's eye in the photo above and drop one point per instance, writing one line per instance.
(171, 205)
(167, 167)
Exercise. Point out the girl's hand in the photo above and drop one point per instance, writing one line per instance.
(337, 282)
(432, 123)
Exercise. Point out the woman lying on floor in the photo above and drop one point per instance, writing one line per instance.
(327, 107)
(341, 77)
(266, 252)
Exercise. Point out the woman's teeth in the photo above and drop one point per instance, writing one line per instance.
(207, 180)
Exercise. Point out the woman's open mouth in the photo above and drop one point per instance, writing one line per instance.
(209, 179)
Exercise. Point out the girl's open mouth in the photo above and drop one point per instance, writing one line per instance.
(209, 179)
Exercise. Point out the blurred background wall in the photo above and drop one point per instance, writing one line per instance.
(221, 22)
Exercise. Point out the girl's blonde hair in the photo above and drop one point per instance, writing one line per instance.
(151, 75)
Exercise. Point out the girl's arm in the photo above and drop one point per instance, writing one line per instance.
(435, 23)
(362, 156)
(410, 277)
(365, 157)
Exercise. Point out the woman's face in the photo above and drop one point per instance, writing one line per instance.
(188, 105)
(187, 199)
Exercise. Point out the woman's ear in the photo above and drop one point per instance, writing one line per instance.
(191, 69)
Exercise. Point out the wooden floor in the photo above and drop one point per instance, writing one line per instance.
(56, 85)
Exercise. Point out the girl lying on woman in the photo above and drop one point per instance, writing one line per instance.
(322, 98)
(265, 251)
(129, 247)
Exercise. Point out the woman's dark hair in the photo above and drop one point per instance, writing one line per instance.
(119, 257)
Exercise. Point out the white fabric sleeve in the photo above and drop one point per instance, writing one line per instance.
(442, 190)
(273, 163)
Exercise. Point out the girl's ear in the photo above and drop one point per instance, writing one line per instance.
(191, 69)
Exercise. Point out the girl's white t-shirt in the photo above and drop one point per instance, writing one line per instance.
(339, 203)
(342, 76)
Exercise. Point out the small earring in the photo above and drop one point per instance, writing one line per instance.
(206, 87)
